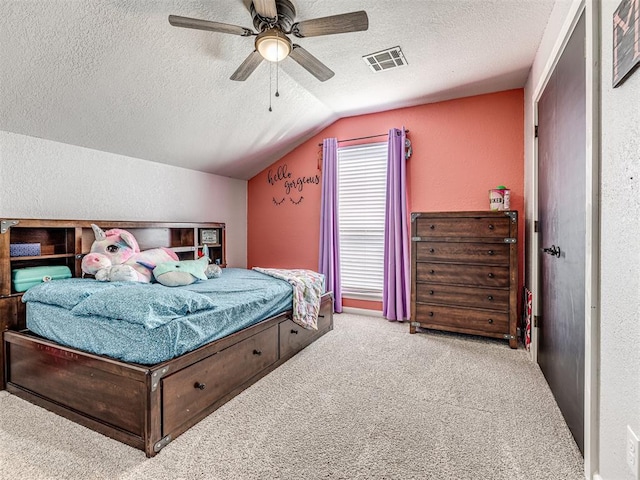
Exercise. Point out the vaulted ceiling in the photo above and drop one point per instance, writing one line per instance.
(114, 75)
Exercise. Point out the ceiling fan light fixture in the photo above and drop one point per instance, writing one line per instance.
(273, 45)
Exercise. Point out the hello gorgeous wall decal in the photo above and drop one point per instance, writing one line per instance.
(281, 176)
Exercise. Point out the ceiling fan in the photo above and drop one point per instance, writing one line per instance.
(274, 21)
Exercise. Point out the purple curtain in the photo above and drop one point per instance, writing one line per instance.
(329, 261)
(396, 293)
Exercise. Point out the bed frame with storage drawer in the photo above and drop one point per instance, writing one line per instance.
(140, 405)
(65, 242)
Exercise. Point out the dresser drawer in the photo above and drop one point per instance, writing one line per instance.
(491, 299)
(460, 252)
(462, 319)
(463, 227)
(188, 392)
(475, 275)
(294, 338)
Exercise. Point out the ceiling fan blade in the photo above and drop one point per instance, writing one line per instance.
(266, 8)
(248, 66)
(343, 23)
(186, 22)
(310, 63)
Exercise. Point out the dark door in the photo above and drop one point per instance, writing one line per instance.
(562, 203)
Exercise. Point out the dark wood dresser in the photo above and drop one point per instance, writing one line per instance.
(464, 273)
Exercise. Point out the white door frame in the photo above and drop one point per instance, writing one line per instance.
(591, 9)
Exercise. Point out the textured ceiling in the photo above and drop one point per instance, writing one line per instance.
(113, 75)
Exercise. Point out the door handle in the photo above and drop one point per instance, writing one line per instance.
(553, 251)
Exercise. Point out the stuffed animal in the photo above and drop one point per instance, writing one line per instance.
(213, 271)
(128, 263)
(186, 272)
(100, 267)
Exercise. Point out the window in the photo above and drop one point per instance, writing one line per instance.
(362, 180)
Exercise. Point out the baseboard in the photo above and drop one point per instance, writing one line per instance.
(362, 311)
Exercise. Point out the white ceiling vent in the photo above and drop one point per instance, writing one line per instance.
(385, 59)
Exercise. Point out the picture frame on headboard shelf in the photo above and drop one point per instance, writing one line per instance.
(209, 236)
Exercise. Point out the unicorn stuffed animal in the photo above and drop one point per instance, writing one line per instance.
(123, 259)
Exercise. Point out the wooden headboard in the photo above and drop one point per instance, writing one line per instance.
(65, 242)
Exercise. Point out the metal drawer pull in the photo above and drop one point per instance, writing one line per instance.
(490, 275)
(295, 332)
(490, 227)
(431, 314)
(199, 386)
(431, 250)
(490, 298)
(257, 352)
(432, 227)
(491, 320)
(430, 292)
(491, 252)
(432, 272)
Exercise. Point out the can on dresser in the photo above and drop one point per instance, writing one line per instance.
(500, 198)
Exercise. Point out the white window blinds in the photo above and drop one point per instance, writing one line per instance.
(362, 177)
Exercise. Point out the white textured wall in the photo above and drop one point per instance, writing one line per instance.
(45, 179)
(620, 251)
(619, 399)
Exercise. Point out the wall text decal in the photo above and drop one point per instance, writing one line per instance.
(290, 182)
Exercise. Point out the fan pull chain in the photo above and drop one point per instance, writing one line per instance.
(277, 68)
(270, 87)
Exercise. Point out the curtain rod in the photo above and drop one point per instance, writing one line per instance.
(363, 138)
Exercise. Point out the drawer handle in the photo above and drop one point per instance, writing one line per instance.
(257, 352)
(490, 227)
(432, 227)
(490, 298)
(491, 252)
(491, 320)
(320, 316)
(295, 332)
(431, 292)
(490, 275)
(432, 250)
(432, 272)
(199, 386)
(431, 314)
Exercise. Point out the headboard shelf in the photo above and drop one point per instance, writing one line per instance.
(41, 257)
(38, 242)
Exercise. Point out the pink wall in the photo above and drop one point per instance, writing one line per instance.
(461, 149)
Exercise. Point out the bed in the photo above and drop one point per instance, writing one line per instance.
(134, 388)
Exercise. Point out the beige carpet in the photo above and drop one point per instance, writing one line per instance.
(366, 401)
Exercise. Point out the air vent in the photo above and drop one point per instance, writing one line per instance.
(385, 59)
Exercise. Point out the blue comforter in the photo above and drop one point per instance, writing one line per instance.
(150, 323)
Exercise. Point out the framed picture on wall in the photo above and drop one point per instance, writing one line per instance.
(209, 236)
(626, 46)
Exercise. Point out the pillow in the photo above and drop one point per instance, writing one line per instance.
(146, 304)
(66, 293)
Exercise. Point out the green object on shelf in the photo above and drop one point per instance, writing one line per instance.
(501, 187)
(27, 277)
